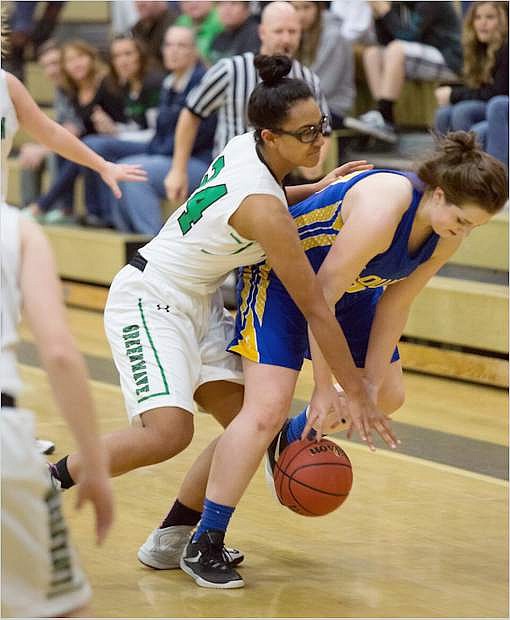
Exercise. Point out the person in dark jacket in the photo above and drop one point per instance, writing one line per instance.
(416, 41)
(140, 212)
(483, 95)
(241, 32)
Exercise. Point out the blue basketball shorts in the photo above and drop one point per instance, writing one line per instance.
(270, 328)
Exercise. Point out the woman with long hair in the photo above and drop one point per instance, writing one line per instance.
(104, 104)
(84, 81)
(485, 78)
(374, 238)
(324, 50)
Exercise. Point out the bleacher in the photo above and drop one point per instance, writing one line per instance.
(459, 324)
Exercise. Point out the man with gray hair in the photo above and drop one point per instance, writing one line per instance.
(226, 88)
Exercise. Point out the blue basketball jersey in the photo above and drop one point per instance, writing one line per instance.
(269, 326)
(319, 221)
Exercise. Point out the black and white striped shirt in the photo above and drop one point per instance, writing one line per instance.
(226, 88)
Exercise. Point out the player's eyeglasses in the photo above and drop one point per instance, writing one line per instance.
(309, 134)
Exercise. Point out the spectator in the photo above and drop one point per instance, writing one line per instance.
(356, 18)
(139, 87)
(140, 211)
(155, 17)
(226, 88)
(329, 55)
(202, 17)
(241, 33)
(485, 76)
(417, 41)
(35, 158)
(27, 33)
(138, 83)
(84, 82)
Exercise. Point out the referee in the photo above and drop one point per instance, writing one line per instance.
(226, 88)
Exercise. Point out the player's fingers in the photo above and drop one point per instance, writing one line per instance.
(386, 433)
(309, 423)
(104, 519)
(112, 183)
(369, 439)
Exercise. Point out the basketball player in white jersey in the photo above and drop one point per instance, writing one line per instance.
(165, 319)
(40, 573)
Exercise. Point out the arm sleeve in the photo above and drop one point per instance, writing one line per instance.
(209, 94)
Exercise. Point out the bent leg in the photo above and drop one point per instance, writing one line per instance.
(223, 400)
(166, 432)
(248, 436)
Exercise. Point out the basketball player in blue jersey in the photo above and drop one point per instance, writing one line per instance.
(375, 238)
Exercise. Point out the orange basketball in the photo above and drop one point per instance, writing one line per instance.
(313, 478)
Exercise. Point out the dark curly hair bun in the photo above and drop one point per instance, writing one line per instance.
(459, 145)
(272, 69)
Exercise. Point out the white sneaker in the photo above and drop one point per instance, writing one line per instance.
(373, 124)
(164, 547)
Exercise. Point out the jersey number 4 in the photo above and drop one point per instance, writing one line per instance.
(203, 198)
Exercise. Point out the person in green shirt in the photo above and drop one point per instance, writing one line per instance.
(203, 19)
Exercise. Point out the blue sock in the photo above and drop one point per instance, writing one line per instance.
(297, 426)
(214, 517)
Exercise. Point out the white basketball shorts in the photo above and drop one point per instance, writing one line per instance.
(41, 576)
(166, 342)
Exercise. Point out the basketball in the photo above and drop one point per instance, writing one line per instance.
(313, 478)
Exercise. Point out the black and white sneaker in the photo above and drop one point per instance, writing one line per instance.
(205, 560)
(164, 547)
(45, 446)
(276, 447)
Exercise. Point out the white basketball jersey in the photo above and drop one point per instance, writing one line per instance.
(8, 128)
(197, 247)
(10, 301)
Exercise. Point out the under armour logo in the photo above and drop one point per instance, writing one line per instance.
(165, 308)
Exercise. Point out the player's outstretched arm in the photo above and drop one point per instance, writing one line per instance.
(45, 314)
(267, 220)
(393, 310)
(58, 139)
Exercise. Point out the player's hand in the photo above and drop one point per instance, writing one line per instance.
(365, 417)
(113, 173)
(94, 486)
(343, 170)
(326, 411)
(176, 186)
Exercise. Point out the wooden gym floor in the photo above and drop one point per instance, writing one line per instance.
(424, 532)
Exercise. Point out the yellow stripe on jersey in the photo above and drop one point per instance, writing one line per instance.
(322, 214)
(318, 241)
(248, 346)
(244, 294)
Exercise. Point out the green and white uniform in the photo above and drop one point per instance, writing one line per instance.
(166, 324)
(41, 576)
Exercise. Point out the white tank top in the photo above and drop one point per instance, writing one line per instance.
(10, 300)
(8, 128)
(197, 248)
